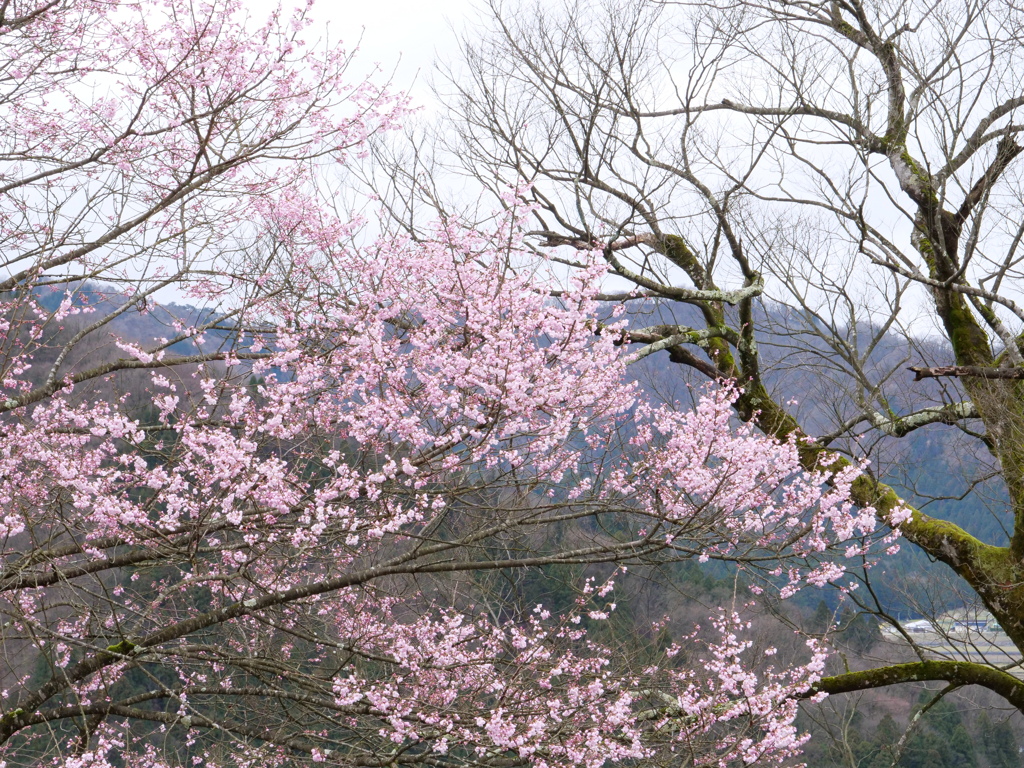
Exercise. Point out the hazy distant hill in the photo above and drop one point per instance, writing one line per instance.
(143, 323)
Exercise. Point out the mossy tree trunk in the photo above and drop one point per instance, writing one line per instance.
(886, 110)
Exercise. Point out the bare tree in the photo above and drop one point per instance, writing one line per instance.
(851, 165)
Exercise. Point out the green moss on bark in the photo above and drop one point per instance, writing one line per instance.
(955, 672)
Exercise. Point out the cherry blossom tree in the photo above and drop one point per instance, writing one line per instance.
(144, 148)
(277, 567)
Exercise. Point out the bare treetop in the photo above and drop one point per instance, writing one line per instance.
(856, 163)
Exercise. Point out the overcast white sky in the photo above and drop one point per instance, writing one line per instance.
(403, 36)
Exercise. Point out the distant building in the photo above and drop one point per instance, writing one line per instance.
(962, 620)
(958, 623)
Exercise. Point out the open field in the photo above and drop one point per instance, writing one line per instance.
(991, 647)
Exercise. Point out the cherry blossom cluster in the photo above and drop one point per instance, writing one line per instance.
(740, 496)
(401, 433)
